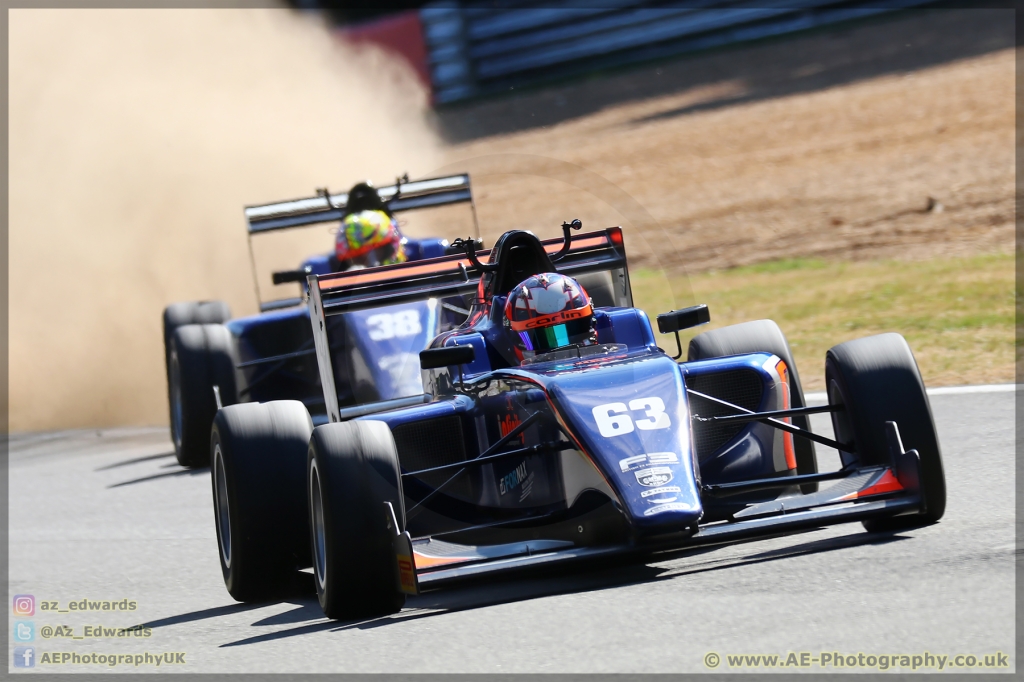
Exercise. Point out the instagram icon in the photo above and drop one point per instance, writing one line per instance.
(24, 605)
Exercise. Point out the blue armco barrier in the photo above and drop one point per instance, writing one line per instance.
(476, 50)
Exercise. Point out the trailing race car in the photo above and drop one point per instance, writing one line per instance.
(213, 360)
(554, 429)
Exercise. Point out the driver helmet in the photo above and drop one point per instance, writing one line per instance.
(362, 197)
(549, 311)
(369, 238)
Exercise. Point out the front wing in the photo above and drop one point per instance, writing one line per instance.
(865, 493)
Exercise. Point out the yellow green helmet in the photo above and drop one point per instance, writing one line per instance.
(367, 231)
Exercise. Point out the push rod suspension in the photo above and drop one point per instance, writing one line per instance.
(756, 416)
(556, 446)
(486, 453)
(783, 426)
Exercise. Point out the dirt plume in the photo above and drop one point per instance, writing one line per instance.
(136, 137)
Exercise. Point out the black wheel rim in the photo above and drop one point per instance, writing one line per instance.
(221, 506)
(319, 531)
(176, 406)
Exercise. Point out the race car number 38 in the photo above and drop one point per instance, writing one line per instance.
(391, 325)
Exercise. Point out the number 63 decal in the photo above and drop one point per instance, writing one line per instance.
(611, 421)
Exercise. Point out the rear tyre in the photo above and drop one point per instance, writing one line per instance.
(200, 357)
(600, 287)
(258, 454)
(191, 312)
(763, 336)
(352, 469)
(877, 380)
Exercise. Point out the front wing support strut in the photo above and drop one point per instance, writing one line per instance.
(765, 418)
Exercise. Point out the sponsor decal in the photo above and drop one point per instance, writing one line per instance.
(673, 506)
(655, 476)
(651, 459)
(556, 317)
(663, 500)
(508, 423)
(661, 491)
(406, 573)
(510, 420)
(513, 479)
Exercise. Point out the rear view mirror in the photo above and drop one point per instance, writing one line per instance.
(683, 319)
(432, 358)
(286, 276)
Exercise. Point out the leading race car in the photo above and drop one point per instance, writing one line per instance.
(552, 429)
(213, 360)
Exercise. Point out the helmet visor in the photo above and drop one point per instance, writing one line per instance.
(543, 339)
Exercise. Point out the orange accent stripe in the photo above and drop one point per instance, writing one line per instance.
(577, 243)
(389, 272)
(424, 561)
(886, 484)
(787, 438)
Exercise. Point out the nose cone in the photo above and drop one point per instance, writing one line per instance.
(632, 419)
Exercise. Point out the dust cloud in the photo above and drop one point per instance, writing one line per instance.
(136, 137)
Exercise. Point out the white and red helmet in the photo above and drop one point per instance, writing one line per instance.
(549, 311)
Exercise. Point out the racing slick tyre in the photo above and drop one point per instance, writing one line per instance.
(191, 312)
(258, 453)
(352, 470)
(194, 312)
(200, 358)
(763, 336)
(876, 379)
(600, 287)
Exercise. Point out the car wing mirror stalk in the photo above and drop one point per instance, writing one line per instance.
(470, 246)
(567, 228)
(684, 318)
(459, 246)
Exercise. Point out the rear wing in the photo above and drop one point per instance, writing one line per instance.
(327, 207)
(452, 275)
(439, 278)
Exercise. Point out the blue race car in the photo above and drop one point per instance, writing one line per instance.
(538, 440)
(213, 360)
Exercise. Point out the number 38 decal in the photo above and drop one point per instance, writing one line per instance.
(612, 422)
(388, 326)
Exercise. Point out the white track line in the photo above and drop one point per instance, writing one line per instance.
(942, 390)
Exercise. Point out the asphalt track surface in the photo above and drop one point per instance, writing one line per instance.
(109, 515)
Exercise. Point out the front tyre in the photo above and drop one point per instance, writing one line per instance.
(352, 470)
(876, 379)
(258, 457)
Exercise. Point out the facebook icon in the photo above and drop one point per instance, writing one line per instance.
(24, 657)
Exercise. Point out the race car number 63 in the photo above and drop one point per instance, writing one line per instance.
(611, 421)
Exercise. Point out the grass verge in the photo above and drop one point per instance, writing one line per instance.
(956, 313)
